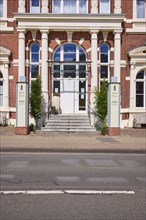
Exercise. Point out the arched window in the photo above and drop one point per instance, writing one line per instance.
(69, 62)
(141, 89)
(1, 89)
(34, 60)
(104, 62)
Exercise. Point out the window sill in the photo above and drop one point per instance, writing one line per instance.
(3, 25)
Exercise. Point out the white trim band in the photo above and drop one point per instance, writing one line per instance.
(37, 192)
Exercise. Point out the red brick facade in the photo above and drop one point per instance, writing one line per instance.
(132, 37)
(22, 130)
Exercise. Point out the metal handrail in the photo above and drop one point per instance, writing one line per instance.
(92, 111)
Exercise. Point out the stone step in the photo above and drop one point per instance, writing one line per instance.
(67, 118)
(67, 130)
(68, 123)
(66, 127)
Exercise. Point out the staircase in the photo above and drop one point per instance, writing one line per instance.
(68, 123)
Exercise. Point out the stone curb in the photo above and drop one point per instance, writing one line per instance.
(70, 150)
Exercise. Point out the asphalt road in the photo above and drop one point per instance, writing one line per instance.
(71, 185)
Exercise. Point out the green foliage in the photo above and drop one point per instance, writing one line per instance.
(104, 129)
(35, 97)
(101, 101)
(32, 127)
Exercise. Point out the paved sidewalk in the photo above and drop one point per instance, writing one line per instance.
(131, 140)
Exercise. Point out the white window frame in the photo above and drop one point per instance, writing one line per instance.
(104, 64)
(135, 11)
(34, 9)
(144, 92)
(77, 7)
(34, 63)
(4, 10)
(109, 3)
(1, 90)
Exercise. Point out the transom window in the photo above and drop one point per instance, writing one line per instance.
(141, 89)
(34, 60)
(141, 8)
(35, 6)
(69, 6)
(104, 62)
(104, 6)
(69, 53)
(1, 89)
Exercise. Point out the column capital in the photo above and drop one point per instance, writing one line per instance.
(94, 31)
(21, 30)
(22, 34)
(117, 31)
(132, 63)
(44, 31)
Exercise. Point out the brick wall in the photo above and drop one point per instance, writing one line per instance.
(22, 130)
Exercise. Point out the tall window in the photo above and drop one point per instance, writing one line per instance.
(1, 89)
(141, 89)
(104, 6)
(141, 8)
(104, 62)
(1, 8)
(35, 6)
(34, 61)
(69, 6)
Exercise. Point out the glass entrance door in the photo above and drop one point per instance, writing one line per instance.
(69, 78)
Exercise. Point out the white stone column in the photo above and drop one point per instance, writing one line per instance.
(94, 6)
(45, 6)
(21, 7)
(21, 55)
(117, 55)
(117, 7)
(6, 87)
(132, 90)
(45, 66)
(94, 39)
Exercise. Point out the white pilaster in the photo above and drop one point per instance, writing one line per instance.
(117, 7)
(21, 7)
(6, 87)
(117, 55)
(45, 65)
(94, 6)
(94, 39)
(21, 54)
(132, 90)
(45, 6)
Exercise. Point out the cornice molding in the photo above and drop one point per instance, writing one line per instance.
(67, 22)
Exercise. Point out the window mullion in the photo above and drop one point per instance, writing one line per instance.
(62, 6)
(77, 6)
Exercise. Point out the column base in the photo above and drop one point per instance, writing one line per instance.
(114, 131)
(22, 130)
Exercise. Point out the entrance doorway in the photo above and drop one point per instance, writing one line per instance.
(70, 78)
